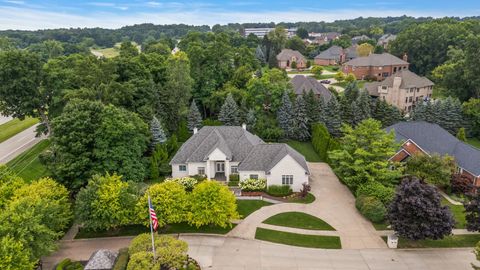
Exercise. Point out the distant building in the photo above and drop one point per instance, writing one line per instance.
(304, 84)
(375, 66)
(357, 39)
(286, 57)
(261, 32)
(403, 89)
(335, 55)
(385, 40)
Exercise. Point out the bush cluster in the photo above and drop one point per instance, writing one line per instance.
(279, 190)
(371, 208)
(67, 264)
(322, 141)
(376, 190)
(122, 260)
(253, 184)
(235, 177)
(187, 182)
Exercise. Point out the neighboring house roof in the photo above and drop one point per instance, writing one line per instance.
(332, 53)
(384, 59)
(434, 139)
(386, 39)
(303, 84)
(287, 54)
(238, 145)
(351, 52)
(360, 38)
(102, 259)
(409, 80)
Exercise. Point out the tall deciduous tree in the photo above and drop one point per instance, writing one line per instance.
(435, 170)
(194, 117)
(229, 113)
(364, 49)
(416, 212)
(13, 255)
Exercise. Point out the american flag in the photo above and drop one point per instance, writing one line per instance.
(153, 215)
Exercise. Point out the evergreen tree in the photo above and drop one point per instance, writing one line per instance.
(158, 135)
(351, 92)
(251, 119)
(260, 55)
(312, 105)
(386, 113)
(346, 113)
(194, 117)
(461, 135)
(362, 107)
(301, 120)
(229, 113)
(333, 120)
(285, 116)
(321, 110)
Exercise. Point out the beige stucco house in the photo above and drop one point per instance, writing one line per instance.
(286, 57)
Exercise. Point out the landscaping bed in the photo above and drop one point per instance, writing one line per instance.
(453, 241)
(298, 220)
(288, 199)
(299, 240)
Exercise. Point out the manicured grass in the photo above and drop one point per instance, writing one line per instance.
(381, 226)
(453, 241)
(308, 199)
(246, 207)
(27, 165)
(474, 142)
(15, 126)
(344, 84)
(306, 149)
(135, 229)
(331, 68)
(307, 71)
(299, 240)
(458, 214)
(298, 220)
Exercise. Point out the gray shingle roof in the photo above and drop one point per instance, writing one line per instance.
(287, 54)
(434, 139)
(332, 53)
(303, 84)
(102, 259)
(384, 59)
(409, 80)
(239, 145)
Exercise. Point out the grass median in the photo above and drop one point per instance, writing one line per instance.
(298, 220)
(299, 240)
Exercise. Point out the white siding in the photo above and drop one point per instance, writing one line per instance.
(288, 166)
(246, 174)
(193, 167)
(176, 171)
(217, 155)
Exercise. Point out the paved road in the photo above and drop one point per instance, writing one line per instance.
(17, 144)
(223, 253)
(334, 204)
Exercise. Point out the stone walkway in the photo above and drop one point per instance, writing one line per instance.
(334, 204)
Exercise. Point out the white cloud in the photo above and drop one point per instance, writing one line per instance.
(153, 4)
(32, 19)
(14, 2)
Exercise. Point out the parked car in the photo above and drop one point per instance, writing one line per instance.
(325, 81)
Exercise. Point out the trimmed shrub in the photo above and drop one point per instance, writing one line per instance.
(253, 184)
(322, 141)
(67, 264)
(171, 252)
(234, 177)
(187, 182)
(376, 190)
(122, 260)
(199, 177)
(279, 190)
(371, 208)
(233, 183)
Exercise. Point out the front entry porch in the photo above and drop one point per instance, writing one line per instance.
(218, 170)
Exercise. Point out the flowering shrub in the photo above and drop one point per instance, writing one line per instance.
(253, 184)
(187, 182)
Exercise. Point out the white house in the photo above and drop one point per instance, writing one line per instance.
(219, 151)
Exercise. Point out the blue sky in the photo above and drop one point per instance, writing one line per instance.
(25, 14)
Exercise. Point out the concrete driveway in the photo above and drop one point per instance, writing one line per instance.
(334, 204)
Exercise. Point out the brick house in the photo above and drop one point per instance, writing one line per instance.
(286, 57)
(420, 137)
(304, 84)
(404, 90)
(375, 66)
(335, 55)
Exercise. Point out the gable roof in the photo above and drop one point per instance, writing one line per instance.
(384, 59)
(303, 84)
(332, 53)
(238, 145)
(434, 139)
(409, 80)
(287, 54)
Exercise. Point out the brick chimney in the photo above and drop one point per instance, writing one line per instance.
(405, 57)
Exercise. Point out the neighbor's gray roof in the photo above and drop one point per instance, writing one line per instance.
(102, 259)
(434, 139)
(384, 59)
(386, 38)
(303, 84)
(238, 144)
(286, 54)
(264, 157)
(409, 80)
(332, 53)
(351, 52)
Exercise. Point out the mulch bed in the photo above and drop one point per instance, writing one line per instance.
(265, 195)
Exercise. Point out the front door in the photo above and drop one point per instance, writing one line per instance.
(220, 167)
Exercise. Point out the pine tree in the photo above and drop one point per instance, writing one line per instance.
(346, 113)
(321, 110)
(333, 120)
(386, 113)
(313, 107)
(229, 113)
(260, 55)
(362, 107)
(301, 120)
(351, 92)
(251, 119)
(158, 135)
(194, 117)
(285, 117)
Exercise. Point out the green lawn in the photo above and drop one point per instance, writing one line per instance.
(474, 141)
(135, 229)
(331, 68)
(299, 240)
(15, 126)
(344, 84)
(308, 199)
(458, 214)
(453, 241)
(298, 220)
(246, 207)
(306, 149)
(27, 165)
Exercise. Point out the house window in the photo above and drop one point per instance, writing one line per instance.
(234, 170)
(385, 74)
(384, 87)
(395, 69)
(410, 99)
(406, 99)
(182, 168)
(253, 176)
(201, 170)
(287, 179)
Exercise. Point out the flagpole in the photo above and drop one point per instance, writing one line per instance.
(151, 226)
